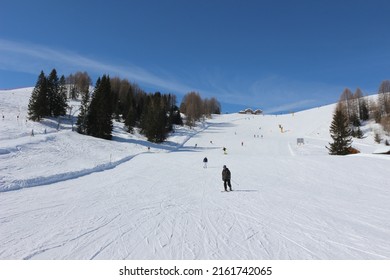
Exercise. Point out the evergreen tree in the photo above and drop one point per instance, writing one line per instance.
(52, 90)
(175, 116)
(355, 121)
(38, 104)
(61, 100)
(340, 133)
(56, 95)
(90, 127)
(82, 117)
(130, 120)
(154, 120)
(363, 109)
(99, 119)
(359, 133)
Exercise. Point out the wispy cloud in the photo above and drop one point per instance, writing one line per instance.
(31, 58)
(291, 107)
(291, 95)
(272, 93)
(266, 92)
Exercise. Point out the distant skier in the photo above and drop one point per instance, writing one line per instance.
(226, 176)
(205, 162)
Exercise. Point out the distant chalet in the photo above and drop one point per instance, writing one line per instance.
(249, 111)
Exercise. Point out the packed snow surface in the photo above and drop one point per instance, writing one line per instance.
(68, 196)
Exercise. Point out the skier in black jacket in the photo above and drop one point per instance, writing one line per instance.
(226, 176)
(205, 162)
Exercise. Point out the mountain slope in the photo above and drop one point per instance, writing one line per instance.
(289, 201)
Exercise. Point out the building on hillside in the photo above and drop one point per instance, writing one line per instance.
(249, 111)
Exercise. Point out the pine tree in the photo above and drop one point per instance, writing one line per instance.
(130, 120)
(154, 120)
(82, 117)
(340, 133)
(56, 95)
(359, 133)
(363, 110)
(61, 100)
(175, 116)
(99, 119)
(52, 90)
(355, 121)
(38, 104)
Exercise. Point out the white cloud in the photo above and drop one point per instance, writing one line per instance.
(291, 107)
(292, 94)
(262, 93)
(32, 58)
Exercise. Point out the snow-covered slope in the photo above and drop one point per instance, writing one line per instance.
(68, 196)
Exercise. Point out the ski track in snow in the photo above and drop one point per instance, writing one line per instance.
(96, 199)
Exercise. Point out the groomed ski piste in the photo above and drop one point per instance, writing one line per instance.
(68, 196)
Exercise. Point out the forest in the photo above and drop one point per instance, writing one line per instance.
(154, 114)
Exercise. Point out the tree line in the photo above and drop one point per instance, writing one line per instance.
(154, 115)
(352, 109)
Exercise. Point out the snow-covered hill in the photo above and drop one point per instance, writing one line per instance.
(69, 196)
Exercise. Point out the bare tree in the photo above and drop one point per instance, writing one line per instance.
(362, 105)
(358, 99)
(385, 122)
(78, 83)
(375, 112)
(384, 97)
(212, 106)
(191, 106)
(83, 81)
(346, 102)
(70, 82)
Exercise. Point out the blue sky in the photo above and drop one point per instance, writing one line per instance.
(272, 54)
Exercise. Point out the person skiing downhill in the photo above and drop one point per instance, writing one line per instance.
(205, 162)
(226, 176)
